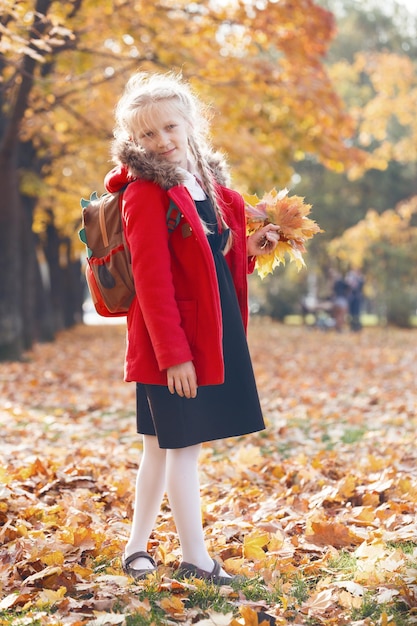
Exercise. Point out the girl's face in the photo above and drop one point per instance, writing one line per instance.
(163, 131)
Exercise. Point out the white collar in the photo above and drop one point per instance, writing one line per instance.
(193, 186)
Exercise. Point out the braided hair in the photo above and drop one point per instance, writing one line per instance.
(206, 173)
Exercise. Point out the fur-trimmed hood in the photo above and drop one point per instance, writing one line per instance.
(140, 165)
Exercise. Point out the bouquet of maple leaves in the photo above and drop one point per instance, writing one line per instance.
(290, 214)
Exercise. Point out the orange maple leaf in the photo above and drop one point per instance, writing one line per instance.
(290, 214)
(332, 533)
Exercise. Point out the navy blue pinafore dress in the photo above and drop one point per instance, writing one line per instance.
(219, 411)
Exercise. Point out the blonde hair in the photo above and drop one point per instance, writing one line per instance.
(142, 92)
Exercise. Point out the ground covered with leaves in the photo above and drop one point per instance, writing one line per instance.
(318, 511)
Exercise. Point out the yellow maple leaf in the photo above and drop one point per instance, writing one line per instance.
(253, 546)
(172, 605)
(49, 596)
(234, 565)
(290, 214)
(349, 601)
(53, 558)
(82, 572)
(250, 617)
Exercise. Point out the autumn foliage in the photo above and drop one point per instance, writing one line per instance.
(318, 511)
(259, 66)
(290, 213)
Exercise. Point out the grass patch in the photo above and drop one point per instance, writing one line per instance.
(22, 618)
(255, 590)
(369, 609)
(398, 612)
(353, 435)
(155, 615)
(407, 547)
(141, 619)
(209, 597)
(344, 562)
(368, 320)
(102, 564)
(202, 601)
(300, 589)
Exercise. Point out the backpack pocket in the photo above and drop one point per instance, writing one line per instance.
(112, 280)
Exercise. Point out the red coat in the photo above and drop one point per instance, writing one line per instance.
(175, 315)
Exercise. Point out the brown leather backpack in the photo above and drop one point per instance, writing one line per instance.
(109, 270)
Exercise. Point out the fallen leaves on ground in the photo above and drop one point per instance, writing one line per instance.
(321, 506)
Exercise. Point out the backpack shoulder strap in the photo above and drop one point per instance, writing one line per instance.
(173, 216)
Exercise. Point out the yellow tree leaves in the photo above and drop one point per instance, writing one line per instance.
(394, 226)
(16, 22)
(387, 118)
(283, 103)
(381, 91)
(259, 65)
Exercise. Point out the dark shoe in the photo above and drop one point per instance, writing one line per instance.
(187, 570)
(137, 573)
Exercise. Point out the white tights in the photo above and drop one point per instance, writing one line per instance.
(177, 470)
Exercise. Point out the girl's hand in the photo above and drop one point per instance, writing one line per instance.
(264, 240)
(182, 379)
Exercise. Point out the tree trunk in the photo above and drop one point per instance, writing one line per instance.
(57, 287)
(44, 318)
(73, 293)
(66, 285)
(11, 321)
(28, 274)
(15, 335)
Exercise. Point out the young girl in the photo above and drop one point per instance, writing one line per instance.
(186, 343)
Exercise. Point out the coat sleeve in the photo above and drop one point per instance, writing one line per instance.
(144, 213)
